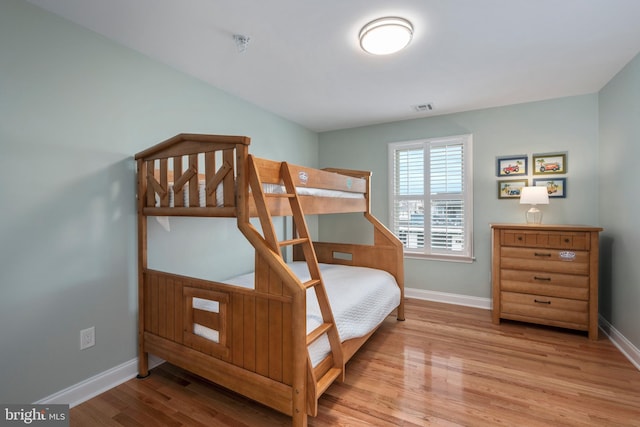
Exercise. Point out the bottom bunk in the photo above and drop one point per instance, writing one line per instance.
(360, 299)
(241, 334)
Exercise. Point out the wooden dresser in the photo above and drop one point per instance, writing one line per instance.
(546, 274)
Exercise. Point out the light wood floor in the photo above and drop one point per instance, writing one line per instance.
(444, 366)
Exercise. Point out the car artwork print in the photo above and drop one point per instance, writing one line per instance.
(549, 163)
(511, 166)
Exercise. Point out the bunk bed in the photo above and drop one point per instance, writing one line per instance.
(277, 335)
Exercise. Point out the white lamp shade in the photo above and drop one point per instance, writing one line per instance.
(386, 35)
(535, 195)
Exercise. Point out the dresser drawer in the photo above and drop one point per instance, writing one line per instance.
(545, 260)
(543, 283)
(547, 310)
(577, 240)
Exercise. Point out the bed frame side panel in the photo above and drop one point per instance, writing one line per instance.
(254, 332)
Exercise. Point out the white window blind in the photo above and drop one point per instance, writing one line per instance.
(435, 223)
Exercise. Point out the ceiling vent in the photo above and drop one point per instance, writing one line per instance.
(423, 108)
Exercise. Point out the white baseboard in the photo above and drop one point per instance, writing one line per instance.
(91, 387)
(624, 345)
(448, 298)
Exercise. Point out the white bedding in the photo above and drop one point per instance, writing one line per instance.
(360, 299)
(268, 188)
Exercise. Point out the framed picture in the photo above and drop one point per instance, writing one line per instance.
(511, 166)
(511, 188)
(556, 187)
(549, 163)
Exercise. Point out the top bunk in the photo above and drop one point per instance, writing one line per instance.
(209, 176)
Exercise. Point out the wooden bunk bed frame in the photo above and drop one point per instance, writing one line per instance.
(261, 351)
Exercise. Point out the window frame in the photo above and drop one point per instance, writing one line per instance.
(426, 144)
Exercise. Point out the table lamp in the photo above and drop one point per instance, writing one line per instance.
(536, 195)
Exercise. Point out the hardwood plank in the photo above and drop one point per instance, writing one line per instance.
(262, 337)
(444, 366)
(287, 343)
(249, 333)
(178, 316)
(210, 171)
(154, 316)
(164, 182)
(229, 185)
(178, 195)
(162, 307)
(171, 309)
(237, 334)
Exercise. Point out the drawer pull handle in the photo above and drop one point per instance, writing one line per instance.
(537, 301)
(541, 254)
(546, 279)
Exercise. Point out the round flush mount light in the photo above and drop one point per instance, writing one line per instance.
(387, 35)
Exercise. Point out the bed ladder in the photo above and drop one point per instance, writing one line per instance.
(328, 327)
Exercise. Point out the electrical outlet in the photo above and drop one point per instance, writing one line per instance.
(87, 338)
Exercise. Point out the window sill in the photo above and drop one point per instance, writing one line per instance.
(433, 257)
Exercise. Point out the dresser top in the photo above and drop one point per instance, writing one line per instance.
(547, 227)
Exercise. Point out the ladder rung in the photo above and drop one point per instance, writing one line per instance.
(293, 241)
(282, 195)
(326, 380)
(310, 283)
(317, 332)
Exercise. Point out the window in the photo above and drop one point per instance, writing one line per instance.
(436, 223)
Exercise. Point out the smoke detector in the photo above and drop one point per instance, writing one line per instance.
(423, 108)
(241, 42)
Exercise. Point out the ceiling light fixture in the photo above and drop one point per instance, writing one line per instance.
(387, 35)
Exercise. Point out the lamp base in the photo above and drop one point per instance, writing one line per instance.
(534, 216)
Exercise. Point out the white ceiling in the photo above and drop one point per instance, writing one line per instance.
(304, 63)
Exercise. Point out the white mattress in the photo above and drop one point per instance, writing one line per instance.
(268, 188)
(360, 299)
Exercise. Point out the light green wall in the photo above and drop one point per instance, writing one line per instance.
(74, 109)
(567, 124)
(619, 203)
